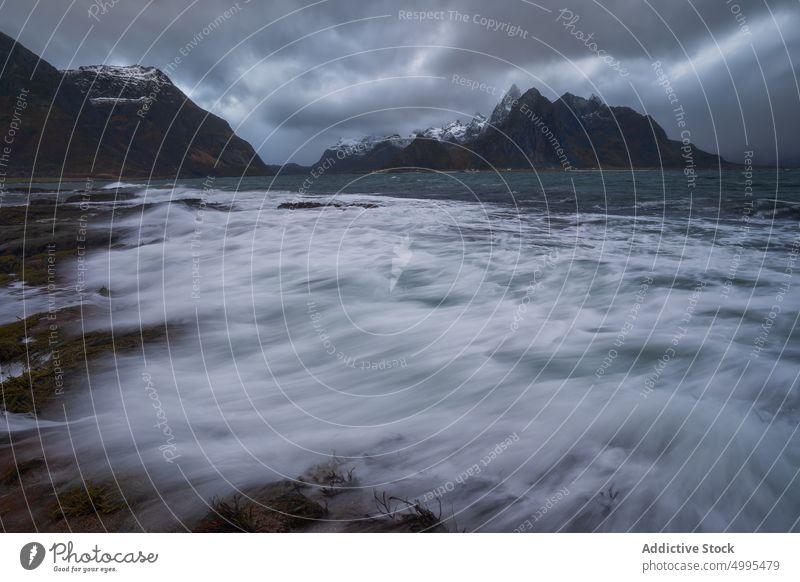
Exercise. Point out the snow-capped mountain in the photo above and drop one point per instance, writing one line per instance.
(368, 152)
(134, 76)
(455, 131)
(118, 85)
(361, 146)
(112, 121)
(526, 130)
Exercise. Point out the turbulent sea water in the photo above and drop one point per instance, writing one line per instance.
(562, 352)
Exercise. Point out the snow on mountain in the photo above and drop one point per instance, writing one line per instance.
(117, 101)
(355, 146)
(102, 82)
(475, 127)
(455, 131)
(133, 74)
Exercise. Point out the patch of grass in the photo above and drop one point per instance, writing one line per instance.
(234, 515)
(29, 392)
(38, 238)
(87, 499)
(287, 512)
(332, 477)
(337, 481)
(42, 235)
(12, 335)
(417, 516)
(39, 269)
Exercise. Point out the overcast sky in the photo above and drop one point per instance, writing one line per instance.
(292, 77)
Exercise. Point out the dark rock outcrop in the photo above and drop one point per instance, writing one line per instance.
(106, 121)
(528, 131)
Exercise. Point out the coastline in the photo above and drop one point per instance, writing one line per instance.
(311, 498)
(728, 166)
(40, 491)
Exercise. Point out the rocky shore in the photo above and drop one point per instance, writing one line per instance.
(49, 356)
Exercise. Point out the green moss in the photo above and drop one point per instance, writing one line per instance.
(35, 232)
(12, 335)
(87, 499)
(43, 235)
(29, 392)
(234, 515)
(39, 270)
(42, 269)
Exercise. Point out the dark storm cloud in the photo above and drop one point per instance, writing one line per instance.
(296, 77)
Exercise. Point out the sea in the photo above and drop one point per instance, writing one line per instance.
(520, 352)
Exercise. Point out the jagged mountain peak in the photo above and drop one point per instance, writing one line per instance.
(582, 103)
(513, 92)
(533, 94)
(570, 132)
(592, 108)
(505, 106)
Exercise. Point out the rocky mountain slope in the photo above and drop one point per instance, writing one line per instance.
(110, 122)
(529, 131)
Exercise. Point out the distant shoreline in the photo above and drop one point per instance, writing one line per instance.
(71, 180)
(58, 354)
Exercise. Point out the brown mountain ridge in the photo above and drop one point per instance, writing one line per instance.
(109, 122)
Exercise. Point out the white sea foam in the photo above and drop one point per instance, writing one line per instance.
(115, 185)
(293, 335)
